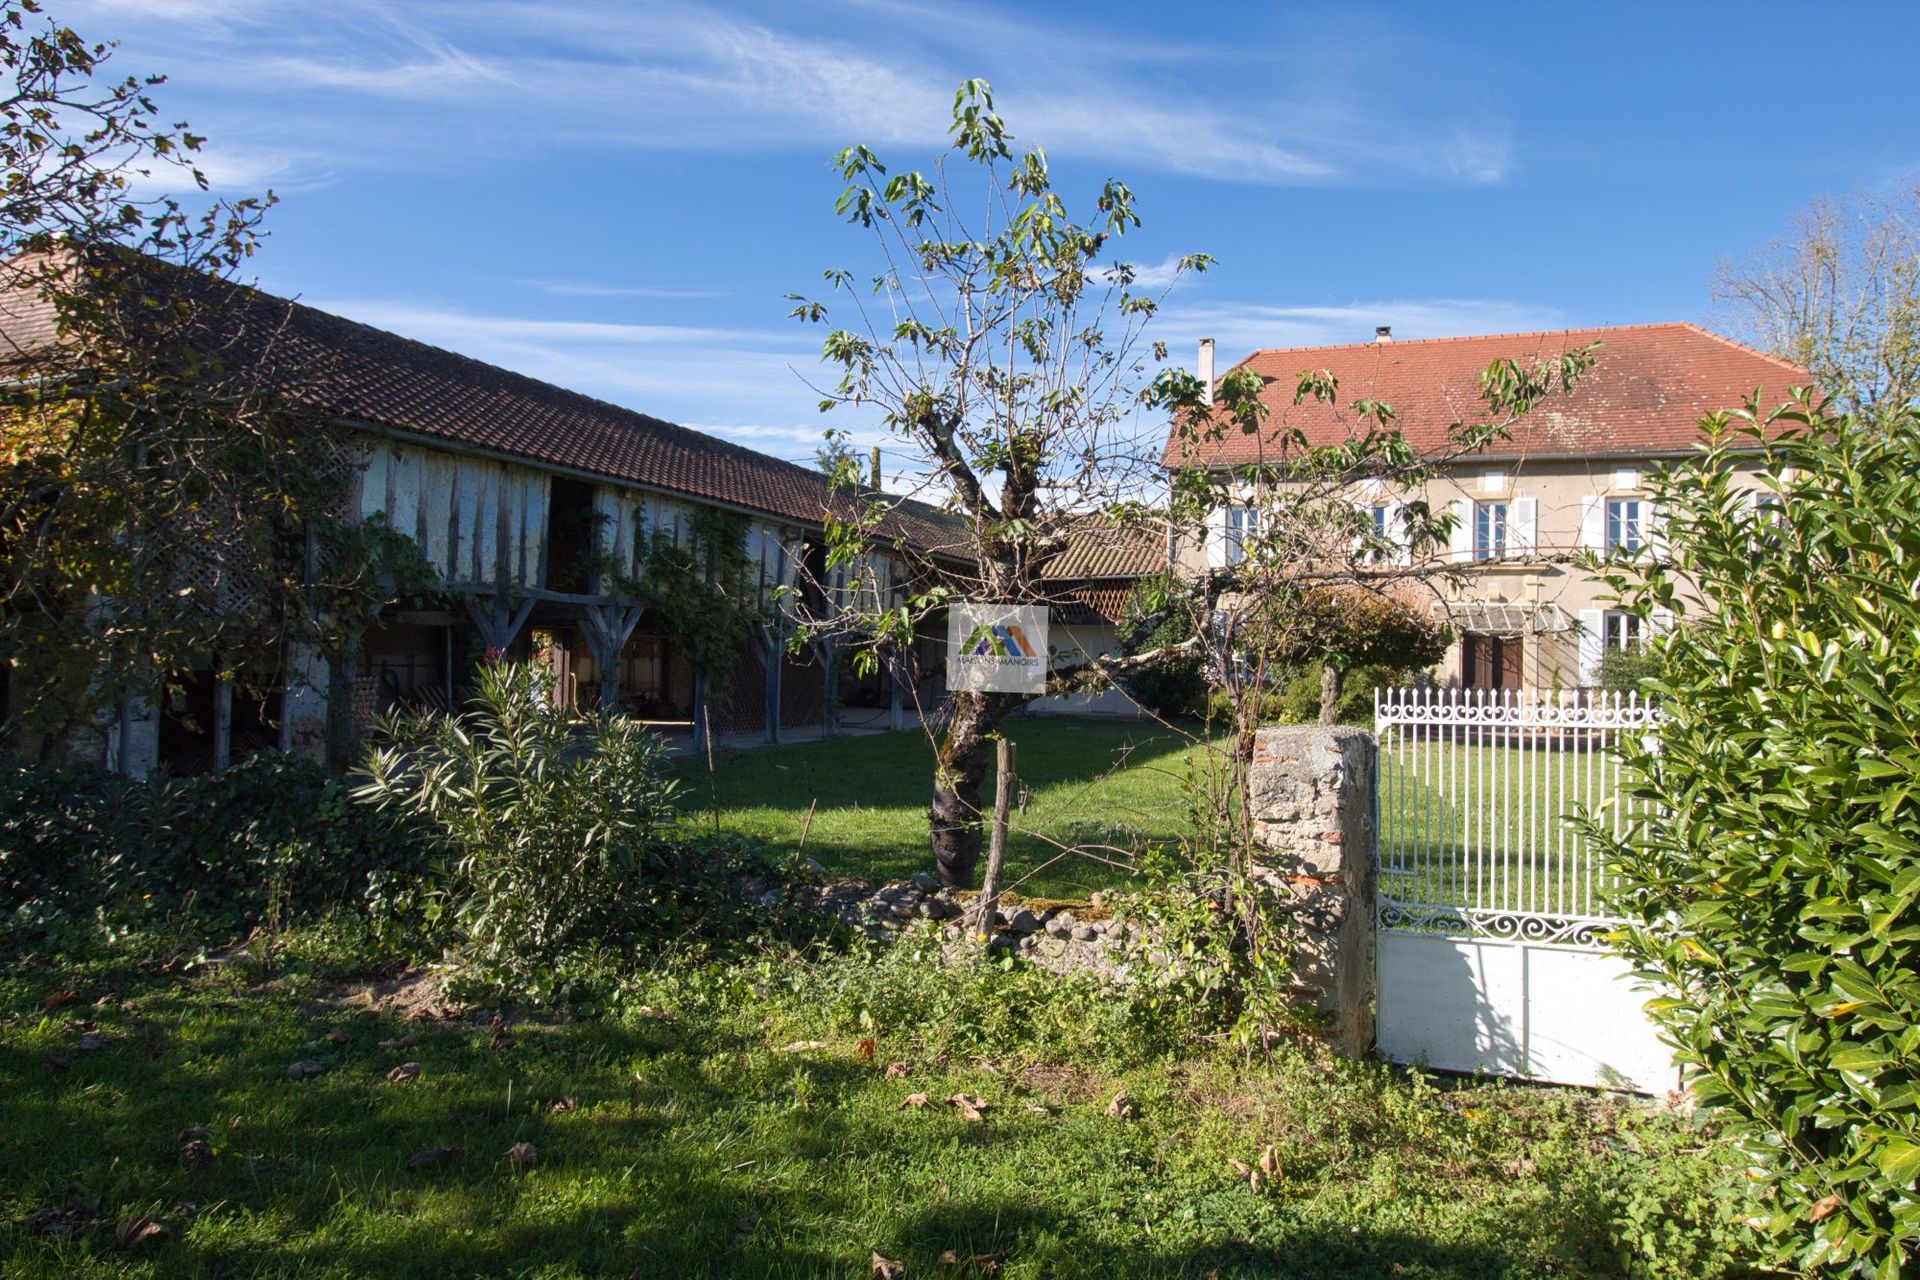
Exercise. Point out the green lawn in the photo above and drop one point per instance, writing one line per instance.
(694, 1146)
(1485, 826)
(1090, 783)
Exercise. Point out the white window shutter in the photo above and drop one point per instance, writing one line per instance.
(1363, 511)
(1461, 543)
(1215, 537)
(1523, 528)
(1593, 641)
(1656, 521)
(1661, 621)
(1593, 523)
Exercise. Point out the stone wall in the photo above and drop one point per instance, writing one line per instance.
(1311, 792)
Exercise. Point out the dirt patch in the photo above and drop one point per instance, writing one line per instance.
(1064, 1084)
(417, 994)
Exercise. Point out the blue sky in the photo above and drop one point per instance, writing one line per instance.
(615, 196)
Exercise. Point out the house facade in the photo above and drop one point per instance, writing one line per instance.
(1571, 479)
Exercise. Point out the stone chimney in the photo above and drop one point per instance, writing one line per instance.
(1206, 370)
(1383, 334)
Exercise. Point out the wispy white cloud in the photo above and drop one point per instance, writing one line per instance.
(439, 82)
(1241, 328)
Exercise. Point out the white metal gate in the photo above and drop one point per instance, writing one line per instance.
(1492, 909)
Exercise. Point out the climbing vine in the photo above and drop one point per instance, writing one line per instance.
(701, 589)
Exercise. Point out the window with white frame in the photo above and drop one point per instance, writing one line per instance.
(1626, 525)
(1620, 630)
(1489, 530)
(1243, 525)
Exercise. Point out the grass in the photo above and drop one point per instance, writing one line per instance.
(698, 1148)
(1089, 782)
(1486, 826)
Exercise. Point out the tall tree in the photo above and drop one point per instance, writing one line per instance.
(159, 500)
(1839, 294)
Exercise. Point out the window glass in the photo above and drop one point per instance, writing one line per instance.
(1626, 529)
(1489, 530)
(1243, 524)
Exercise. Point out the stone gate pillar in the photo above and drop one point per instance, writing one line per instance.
(1311, 792)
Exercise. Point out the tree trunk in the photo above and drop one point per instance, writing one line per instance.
(959, 770)
(1329, 693)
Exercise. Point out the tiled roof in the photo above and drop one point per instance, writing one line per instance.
(1646, 392)
(366, 375)
(1099, 549)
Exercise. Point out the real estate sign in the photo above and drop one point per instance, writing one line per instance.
(997, 648)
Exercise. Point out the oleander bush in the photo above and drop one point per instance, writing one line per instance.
(556, 847)
(1774, 898)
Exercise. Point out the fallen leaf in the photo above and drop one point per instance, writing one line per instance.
(567, 1103)
(803, 1046)
(304, 1068)
(1824, 1207)
(234, 1123)
(972, 1108)
(131, 1233)
(887, 1268)
(337, 1036)
(865, 1049)
(1121, 1108)
(1270, 1163)
(915, 1100)
(405, 1071)
(1241, 1167)
(948, 1258)
(187, 1209)
(432, 1156)
(400, 1042)
(196, 1154)
(523, 1155)
(897, 1070)
(1037, 1109)
(76, 1219)
(1520, 1168)
(92, 1043)
(59, 1061)
(57, 998)
(941, 1190)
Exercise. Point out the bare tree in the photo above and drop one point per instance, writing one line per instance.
(1839, 294)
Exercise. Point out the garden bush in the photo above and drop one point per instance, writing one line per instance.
(555, 839)
(274, 836)
(1773, 900)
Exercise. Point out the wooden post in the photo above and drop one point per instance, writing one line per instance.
(222, 722)
(997, 842)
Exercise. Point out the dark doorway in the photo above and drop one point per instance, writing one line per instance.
(570, 530)
(1492, 662)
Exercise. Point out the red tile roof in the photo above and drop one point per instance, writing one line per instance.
(1645, 394)
(368, 376)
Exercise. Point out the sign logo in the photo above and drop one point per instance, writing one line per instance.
(997, 648)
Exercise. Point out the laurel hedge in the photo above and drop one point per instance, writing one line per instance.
(1772, 898)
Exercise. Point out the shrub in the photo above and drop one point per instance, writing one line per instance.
(1626, 670)
(1774, 898)
(274, 835)
(1156, 615)
(554, 838)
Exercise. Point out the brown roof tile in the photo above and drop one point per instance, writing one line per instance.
(368, 376)
(1645, 394)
